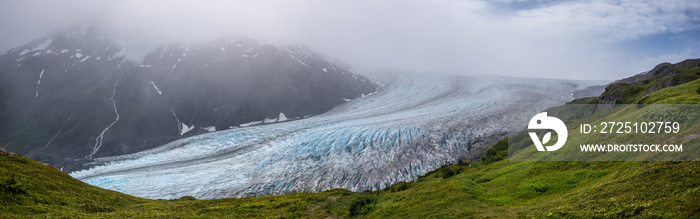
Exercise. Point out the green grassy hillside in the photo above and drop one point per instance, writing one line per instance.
(493, 187)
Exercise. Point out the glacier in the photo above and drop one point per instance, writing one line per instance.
(415, 123)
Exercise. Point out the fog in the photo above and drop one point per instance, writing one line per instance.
(571, 39)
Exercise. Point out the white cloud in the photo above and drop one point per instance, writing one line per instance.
(611, 21)
(572, 39)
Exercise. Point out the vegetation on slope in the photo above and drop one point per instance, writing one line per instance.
(28, 187)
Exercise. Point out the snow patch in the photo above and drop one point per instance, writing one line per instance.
(282, 118)
(41, 46)
(325, 70)
(370, 94)
(209, 128)
(156, 87)
(186, 129)
(77, 54)
(64, 50)
(290, 54)
(250, 123)
(39, 82)
(119, 54)
(273, 120)
(222, 49)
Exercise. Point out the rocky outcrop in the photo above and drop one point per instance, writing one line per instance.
(4, 152)
(662, 76)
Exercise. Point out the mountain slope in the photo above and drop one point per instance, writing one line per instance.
(28, 187)
(78, 94)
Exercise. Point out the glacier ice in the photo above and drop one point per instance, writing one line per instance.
(414, 124)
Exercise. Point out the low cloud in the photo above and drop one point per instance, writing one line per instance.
(572, 39)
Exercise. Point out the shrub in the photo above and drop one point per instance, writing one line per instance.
(402, 187)
(698, 90)
(498, 152)
(11, 185)
(446, 173)
(361, 206)
(185, 198)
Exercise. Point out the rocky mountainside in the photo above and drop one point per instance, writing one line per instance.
(664, 75)
(75, 95)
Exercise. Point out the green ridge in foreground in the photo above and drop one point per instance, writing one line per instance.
(493, 187)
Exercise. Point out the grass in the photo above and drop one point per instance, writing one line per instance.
(681, 94)
(498, 189)
(47, 191)
(493, 187)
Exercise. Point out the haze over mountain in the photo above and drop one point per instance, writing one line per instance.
(75, 94)
(574, 39)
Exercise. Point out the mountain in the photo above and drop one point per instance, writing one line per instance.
(492, 187)
(76, 95)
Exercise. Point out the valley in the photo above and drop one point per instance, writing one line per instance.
(414, 123)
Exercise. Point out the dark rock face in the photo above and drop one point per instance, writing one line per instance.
(75, 95)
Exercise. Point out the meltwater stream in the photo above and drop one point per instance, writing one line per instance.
(414, 124)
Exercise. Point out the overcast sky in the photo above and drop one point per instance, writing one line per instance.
(537, 38)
